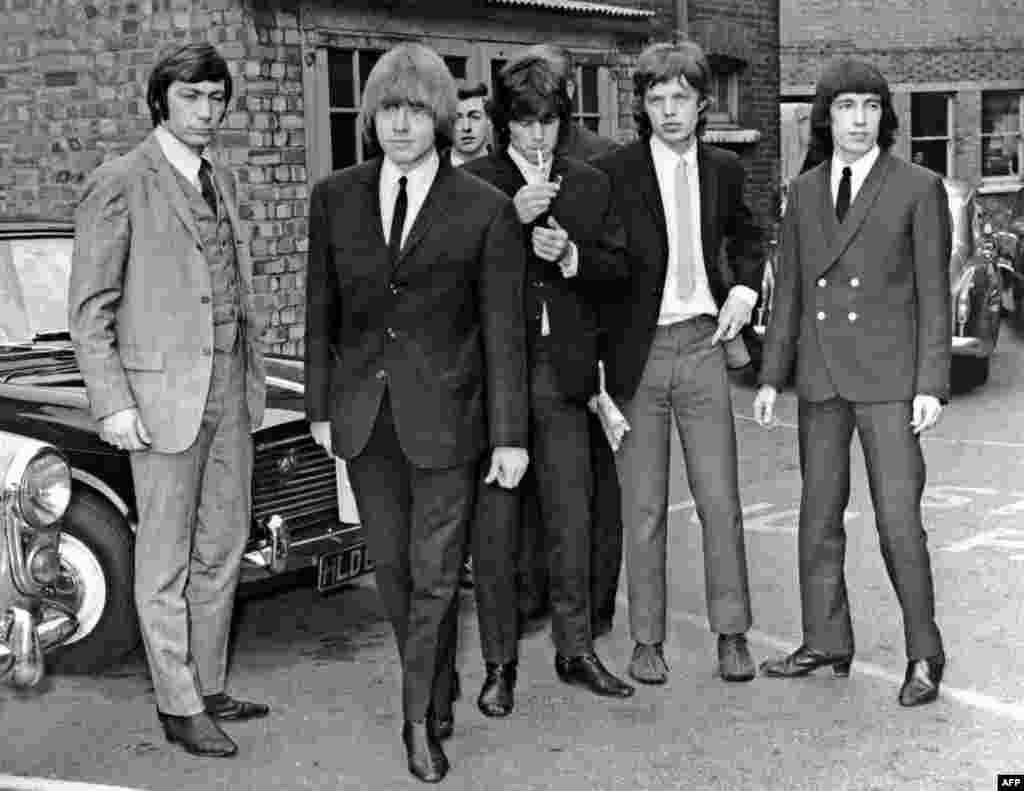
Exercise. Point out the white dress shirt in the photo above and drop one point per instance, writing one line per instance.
(418, 182)
(858, 173)
(183, 158)
(700, 302)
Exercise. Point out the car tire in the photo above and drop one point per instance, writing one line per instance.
(97, 554)
(969, 372)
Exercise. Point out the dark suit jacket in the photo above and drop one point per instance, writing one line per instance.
(440, 330)
(582, 144)
(584, 208)
(864, 306)
(139, 298)
(630, 314)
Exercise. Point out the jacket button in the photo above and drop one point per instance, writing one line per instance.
(855, 281)
(205, 300)
(822, 282)
(382, 375)
(393, 287)
(207, 351)
(390, 333)
(851, 316)
(821, 315)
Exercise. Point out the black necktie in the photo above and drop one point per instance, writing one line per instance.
(206, 185)
(398, 220)
(843, 196)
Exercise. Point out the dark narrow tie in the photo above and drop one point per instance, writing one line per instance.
(843, 196)
(206, 185)
(398, 220)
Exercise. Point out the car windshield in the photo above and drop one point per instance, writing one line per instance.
(33, 287)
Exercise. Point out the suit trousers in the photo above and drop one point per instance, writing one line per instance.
(416, 521)
(561, 462)
(896, 476)
(494, 538)
(606, 529)
(685, 378)
(194, 519)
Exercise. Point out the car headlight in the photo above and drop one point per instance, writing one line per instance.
(45, 489)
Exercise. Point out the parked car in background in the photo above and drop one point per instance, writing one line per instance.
(975, 290)
(36, 590)
(303, 512)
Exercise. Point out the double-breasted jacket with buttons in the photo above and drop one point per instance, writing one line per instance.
(140, 297)
(441, 328)
(863, 306)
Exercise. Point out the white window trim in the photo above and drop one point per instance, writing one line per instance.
(995, 183)
(948, 137)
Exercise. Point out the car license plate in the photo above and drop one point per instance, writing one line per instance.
(336, 568)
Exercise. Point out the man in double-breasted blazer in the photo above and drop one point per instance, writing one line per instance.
(862, 306)
(169, 346)
(573, 240)
(679, 200)
(416, 365)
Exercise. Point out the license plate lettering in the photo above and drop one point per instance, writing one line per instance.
(336, 568)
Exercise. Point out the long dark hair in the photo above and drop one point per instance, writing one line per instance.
(848, 75)
(185, 63)
(665, 62)
(529, 87)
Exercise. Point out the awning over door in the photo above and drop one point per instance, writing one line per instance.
(581, 7)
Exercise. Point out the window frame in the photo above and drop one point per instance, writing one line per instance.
(1011, 178)
(729, 117)
(948, 137)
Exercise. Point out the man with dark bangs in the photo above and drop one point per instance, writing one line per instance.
(416, 365)
(573, 239)
(680, 199)
(862, 307)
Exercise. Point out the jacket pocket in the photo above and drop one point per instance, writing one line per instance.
(134, 359)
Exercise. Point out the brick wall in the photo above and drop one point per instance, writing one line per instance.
(72, 94)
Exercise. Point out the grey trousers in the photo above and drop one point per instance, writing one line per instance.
(194, 511)
(896, 476)
(685, 378)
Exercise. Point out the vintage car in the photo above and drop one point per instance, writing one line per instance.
(303, 512)
(975, 285)
(37, 602)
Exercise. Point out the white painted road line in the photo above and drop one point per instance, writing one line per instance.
(16, 783)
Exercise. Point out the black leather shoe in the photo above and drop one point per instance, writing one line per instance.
(497, 696)
(225, 707)
(587, 671)
(427, 760)
(921, 684)
(198, 734)
(806, 660)
(734, 661)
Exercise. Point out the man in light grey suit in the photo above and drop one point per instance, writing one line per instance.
(167, 340)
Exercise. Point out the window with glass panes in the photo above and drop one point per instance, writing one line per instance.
(347, 71)
(587, 100)
(931, 121)
(1001, 125)
(724, 93)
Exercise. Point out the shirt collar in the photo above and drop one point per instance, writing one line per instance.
(859, 169)
(419, 178)
(530, 171)
(666, 157)
(184, 158)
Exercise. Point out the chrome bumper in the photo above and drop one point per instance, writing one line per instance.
(24, 642)
(969, 346)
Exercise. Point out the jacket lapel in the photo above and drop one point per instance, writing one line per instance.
(649, 188)
(707, 173)
(844, 232)
(226, 187)
(434, 206)
(168, 183)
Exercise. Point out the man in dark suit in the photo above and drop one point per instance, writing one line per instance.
(679, 199)
(606, 503)
(169, 346)
(573, 238)
(862, 306)
(416, 365)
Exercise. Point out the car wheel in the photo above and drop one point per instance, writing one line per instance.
(969, 372)
(97, 565)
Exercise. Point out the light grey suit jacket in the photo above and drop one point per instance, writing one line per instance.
(140, 303)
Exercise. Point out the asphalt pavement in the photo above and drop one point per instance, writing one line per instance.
(328, 668)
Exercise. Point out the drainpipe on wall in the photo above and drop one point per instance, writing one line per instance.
(681, 21)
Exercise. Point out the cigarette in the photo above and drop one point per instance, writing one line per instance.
(540, 159)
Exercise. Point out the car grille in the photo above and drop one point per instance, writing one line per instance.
(295, 479)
